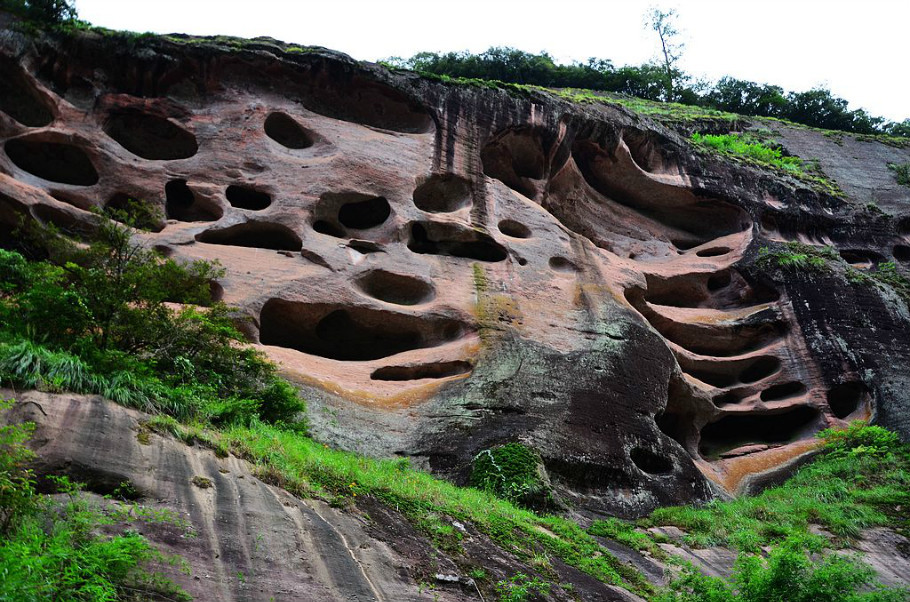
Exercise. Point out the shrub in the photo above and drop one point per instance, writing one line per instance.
(513, 472)
(521, 588)
(901, 172)
(788, 574)
(744, 145)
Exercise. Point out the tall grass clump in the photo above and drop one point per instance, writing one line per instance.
(746, 146)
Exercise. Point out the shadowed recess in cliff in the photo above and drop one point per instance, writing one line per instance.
(52, 161)
(844, 399)
(244, 197)
(181, 204)
(728, 289)
(150, 136)
(338, 92)
(517, 158)
(257, 235)
(456, 241)
(736, 430)
(346, 333)
(616, 176)
(421, 371)
(726, 373)
(443, 193)
(395, 288)
(288, 133)
(19, 100)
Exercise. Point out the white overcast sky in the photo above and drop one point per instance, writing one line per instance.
(859, 49)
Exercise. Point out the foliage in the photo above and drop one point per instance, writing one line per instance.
(512, 472)
(627, 534)
(49, 12)
(861, 475)
(787, 574)
(306, 467)
(744, 145)
(886, 273)
(52, 550)
(663, 23)
(901, 172)
(796, 256)
(98, 317)
(521, 588)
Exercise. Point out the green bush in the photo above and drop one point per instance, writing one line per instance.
(513, 472)
(744, 145)
(521, 588)
(788, 574)
(797, 256)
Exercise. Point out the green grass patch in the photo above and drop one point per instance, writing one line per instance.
(797, 257)
(901, 172)
(749, 147)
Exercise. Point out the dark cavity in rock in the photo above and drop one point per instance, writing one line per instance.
(257, 235)
(395, 288)
(515, 229)
(181, 204)
(736, 430)
(150, 137)
(349, 333)
(455, 241)
(288, 133)
(434, 370)
(52, 161)
(443, 193)
(362, 212)
(243, 197)
(19, 100)
(844, 399)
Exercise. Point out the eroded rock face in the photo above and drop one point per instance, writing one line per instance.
(443, 269)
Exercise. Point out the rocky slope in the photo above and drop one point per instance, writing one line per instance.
(446, 268)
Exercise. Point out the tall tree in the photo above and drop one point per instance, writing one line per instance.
(663, 22)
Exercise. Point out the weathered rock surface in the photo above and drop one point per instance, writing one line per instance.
(447, 268)
(250, 541)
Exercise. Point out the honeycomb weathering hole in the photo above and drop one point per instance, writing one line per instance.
(516, 157)
(561, 264)
(510, 227)
(783, 391)
(434, 370)
(52, 161)
(902, 253)
(243, 197)
(443, 193)
(151, 137)
(448, 239)
(845, 399)
(140, 214)
(181, 204)
(649, 462)
(288, 133)
(395, 288)
(349, 333)
(328, 228)
(735, 430)
(713, 252)
(363, 213)
(19, 101)
(257, 235)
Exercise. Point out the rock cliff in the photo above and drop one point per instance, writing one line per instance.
(445, 268)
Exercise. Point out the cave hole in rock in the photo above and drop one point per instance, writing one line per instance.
(282, 128)
(844, 399)
(134, 212)
(164, 250)
(443, 193)
(365, 247)
(903, 226)
(761, 368)
(351, 333)
(19, 100)
(329, 229)
(719, 281)
(861, 257)
(649, 462)
(515, 229)
(563, 265)
(736, 430)
(902, 253)
(685, 245)
(783, 391)
(430, 238)
(723, 290)
(63, 220)
(516, 157)
(52, 161)
(243, 197)
(362, 212)
(522, 261)
(257, 235)
(728, 398)
(150, 137)
(181, 204)
(433, 370)
(713, 252)
(395, 288)
(645, 150)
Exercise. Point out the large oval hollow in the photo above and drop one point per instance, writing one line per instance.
(395, 288)
(364, 213)
(151, 137)
(285, 131)
(18, 99)
(443, 193)
(256, 235)
(514, 229)
(52, 161)
(244, 197)
(181, 204)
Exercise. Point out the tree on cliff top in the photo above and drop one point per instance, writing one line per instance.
(42, 11)
(663, 22)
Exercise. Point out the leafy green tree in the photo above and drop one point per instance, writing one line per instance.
(746, 98)
(663, 23)
(43, 11)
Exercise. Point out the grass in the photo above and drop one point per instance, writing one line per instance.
(849, 488)
(901, 172)
(746, 146)
(797, 257)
